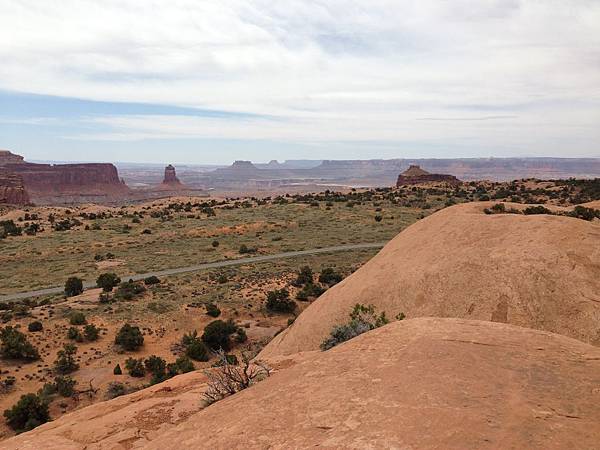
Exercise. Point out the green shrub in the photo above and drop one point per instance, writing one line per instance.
(117, 370)
(91, 332)
(115, 389)
(244, 249)
(14, 345)
(35, 326)
(309, 290)
(65, 362)
(194, 347)
(29, 412)
(135, 367)
(157, 367)
(74, 334)
(215, 244)
(330, 277)
(305, 276)
(65, 386)
(129, 290)
(107, 281)
(216, 334)
(129, 337)
(212, 310)
(77, 318)
(73, 286)
(362, 319)
(279, 301)
(151, 280)
(184, 364)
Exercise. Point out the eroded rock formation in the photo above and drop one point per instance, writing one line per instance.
(415, 175)
(12, 190)
(170, 175)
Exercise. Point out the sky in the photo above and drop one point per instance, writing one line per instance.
(212, 81)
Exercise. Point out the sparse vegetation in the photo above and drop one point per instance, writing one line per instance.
(279, 301)
(228, 378)
(362, 319)
(217, 334)
(65, 361)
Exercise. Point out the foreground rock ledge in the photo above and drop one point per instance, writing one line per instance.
(420, 383)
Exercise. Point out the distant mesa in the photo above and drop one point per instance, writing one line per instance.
(243, 166)
(22, 182)
(415, 175)
(171, 176)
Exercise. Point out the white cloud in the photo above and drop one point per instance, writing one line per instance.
(329, 70)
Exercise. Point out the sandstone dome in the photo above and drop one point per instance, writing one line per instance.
(419, 383)
(535, 271)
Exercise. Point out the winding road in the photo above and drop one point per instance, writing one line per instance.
(212, 265)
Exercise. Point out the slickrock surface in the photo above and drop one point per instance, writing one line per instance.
(421, 383)
(536, 271)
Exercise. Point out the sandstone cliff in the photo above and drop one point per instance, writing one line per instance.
(12, 190)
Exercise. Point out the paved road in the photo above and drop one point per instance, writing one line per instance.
(213, 265)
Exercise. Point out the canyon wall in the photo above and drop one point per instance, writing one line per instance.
(59, 183)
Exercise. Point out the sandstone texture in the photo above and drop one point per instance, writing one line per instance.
(415, 175)
(535, 271)
(420, 383)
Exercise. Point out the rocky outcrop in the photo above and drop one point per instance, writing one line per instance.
(53, 182)
(12, 190)
(535, 271)
(415, 175)
(420, 383)
(170, 176)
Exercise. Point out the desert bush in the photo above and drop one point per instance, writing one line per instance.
(581, 212)
(228, 379)
(9, 228)
(362, 319)
(244, 249)
(29, 412)
(309, 290)
(215, 244)
(65, 386)
(77, 318)
(212, 310)
(217, 334)
(279, 301)
(65, 361)
(107, 281)
(91, 332)
(305, 276)
(135, 367)
(115, 389)
(73, 286)
(378, 218)
(117, 370)
(151, 280)
(536, 210)
(14, 345)
(129, 290)
(330, 277)
(129, 337)
(74, 334)
(35, 326)
(157, 367)
(184, 364)
(195, 347)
